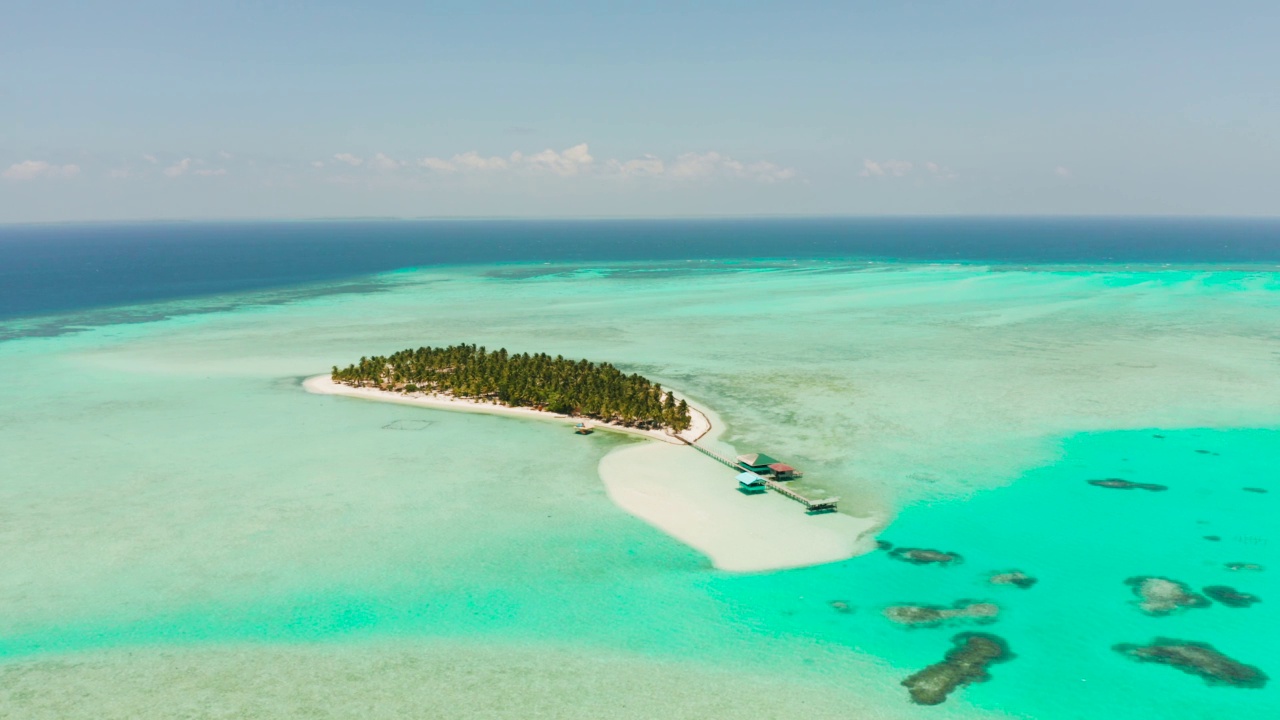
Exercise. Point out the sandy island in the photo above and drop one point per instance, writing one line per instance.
(684, 493)
(699, 426)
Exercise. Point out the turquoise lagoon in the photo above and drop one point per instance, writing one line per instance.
(184, 531)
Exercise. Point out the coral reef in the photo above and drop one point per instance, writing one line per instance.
(1120, 484)
(1162, 596)
(1230, 596)
(934, 615)
(1196, 658)
(965, 663)
(1016, 578)
(926, 556)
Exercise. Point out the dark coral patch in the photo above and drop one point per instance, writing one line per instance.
(1121, 484)
(1260, 491)
(1230, 596)
(1016, 578)
(965, 663)
(1196, 658)
(926, 556)
(1213, 538)
(1237, 566)
(976, 611)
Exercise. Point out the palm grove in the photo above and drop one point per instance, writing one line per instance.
(555, 384)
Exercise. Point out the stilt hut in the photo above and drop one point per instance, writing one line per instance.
(757, 463)
(750, 483)
(783, 471)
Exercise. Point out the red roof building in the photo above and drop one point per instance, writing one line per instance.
(782, 471)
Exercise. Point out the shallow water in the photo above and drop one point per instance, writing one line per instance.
(169, 488)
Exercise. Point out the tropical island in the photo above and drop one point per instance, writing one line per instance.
(581, 388)
(684, 493)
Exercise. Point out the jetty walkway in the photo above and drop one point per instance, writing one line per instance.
(812, 506)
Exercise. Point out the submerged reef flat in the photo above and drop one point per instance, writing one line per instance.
(1121, 484)
(1196, 658)
(965, 663)
(926, 556)
(935, 615)
(1016, 578)
(1162, 596)
(1230, 596)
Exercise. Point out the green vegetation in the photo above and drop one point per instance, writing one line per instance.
(555, 384)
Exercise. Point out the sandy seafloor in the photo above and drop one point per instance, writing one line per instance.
(184, 532)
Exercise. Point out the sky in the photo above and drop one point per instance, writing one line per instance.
(149, 109)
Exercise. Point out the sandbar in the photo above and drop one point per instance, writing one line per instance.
(694, 499)
(684, 493)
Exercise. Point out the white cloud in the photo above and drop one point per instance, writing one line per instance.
(692, 165)
(768, 172)
(646, 165)
(31, 169)
(179, 168)
(211, 173)
(119, 173)
(224, 154)
(708, 164)
(902, 168)
(437, 164)
(382, 162)
(882, 168)
(578, 161)
(570, 162)
(939, 171)
(470, 160)
(349, 159)
(150, 158)
(473, 161)
(1061, 171)
(317, 164)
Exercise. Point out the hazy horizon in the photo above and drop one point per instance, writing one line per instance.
(203, 111)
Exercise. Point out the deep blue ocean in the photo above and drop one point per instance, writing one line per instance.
(62, 268)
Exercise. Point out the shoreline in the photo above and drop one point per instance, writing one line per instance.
(324, 385)
(683, 493)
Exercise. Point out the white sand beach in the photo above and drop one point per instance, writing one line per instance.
(684, 493)
(324, 385)
(695, 500)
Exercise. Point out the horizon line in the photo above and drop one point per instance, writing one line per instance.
(636, 218)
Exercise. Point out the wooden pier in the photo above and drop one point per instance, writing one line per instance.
(813, 506)
(731, 464)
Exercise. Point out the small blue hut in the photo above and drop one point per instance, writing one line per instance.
(750, 483)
